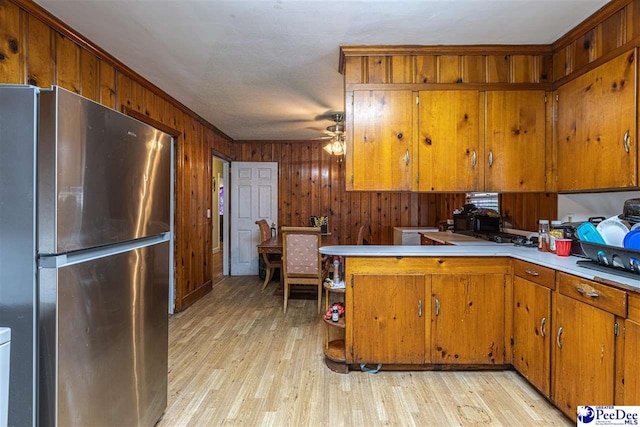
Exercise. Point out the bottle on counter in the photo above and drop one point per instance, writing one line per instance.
(555, 233)
(335, 315)
(543, 235)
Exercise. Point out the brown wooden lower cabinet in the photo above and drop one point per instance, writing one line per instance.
(467, 318)
(631, 370)
(531, 333)
(583, 355)
(563, 332)
(388, 317)
(426, 310)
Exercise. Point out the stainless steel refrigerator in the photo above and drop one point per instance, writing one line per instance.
(84, 260)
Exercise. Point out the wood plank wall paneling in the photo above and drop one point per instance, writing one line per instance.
(43, 54)
(11, 37)
(312, 182)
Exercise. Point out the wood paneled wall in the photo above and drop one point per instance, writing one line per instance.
(37, 49)
(312, 182)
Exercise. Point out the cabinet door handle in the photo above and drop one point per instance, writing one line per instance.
(490, 158)
(406, 158)
(590, 294)
(474, 158)
(419, 308)
(437, 307)
(558, 337)
(625, 141)
(532, 272)
(542, 323)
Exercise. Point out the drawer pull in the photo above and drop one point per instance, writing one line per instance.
(625, 141)
(558, 337)
(542, 323)
(532, 272)
(474, 158)
(490, 158)
(590, 294)
(437, 307)
(406, 158)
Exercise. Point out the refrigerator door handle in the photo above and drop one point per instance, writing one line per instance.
(57, 261)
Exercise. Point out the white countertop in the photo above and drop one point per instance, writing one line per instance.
(415, 229)
(458, 239)
(488, 249)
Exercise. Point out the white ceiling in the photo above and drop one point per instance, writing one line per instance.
(266, 69)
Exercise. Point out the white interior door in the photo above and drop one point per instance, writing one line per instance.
(254, 196)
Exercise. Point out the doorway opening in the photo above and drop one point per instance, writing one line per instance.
(219, 219)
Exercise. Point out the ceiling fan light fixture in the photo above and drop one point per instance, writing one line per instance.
(335, 147)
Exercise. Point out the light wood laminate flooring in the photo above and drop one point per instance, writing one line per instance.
(235, 359)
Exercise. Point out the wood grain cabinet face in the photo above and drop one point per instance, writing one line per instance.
(389, 318)
(583, 355)
(631, 367)
(597, 147)
(467, 319)
(448, 146)
(531, 333)
(515, 141)
(631, 363)
(382, 147)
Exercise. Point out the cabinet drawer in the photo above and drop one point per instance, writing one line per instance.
(600, 296)
(535, 273)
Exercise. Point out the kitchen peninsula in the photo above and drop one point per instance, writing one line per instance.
(492, 306)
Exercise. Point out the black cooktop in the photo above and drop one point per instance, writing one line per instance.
(515, 239)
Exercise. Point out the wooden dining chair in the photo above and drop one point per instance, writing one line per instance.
(364, 234)
(272, 261)
(301, 260)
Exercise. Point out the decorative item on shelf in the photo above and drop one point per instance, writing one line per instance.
(339, 306)
(320, 221)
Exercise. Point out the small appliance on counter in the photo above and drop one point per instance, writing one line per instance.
(485, 224)
(473, 220)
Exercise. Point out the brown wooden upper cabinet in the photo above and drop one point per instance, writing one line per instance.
(437, 140)
(380, 156)
(449, 149)
(597, 147)
(515, 141)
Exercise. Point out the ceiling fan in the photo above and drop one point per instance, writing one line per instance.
(336, 146)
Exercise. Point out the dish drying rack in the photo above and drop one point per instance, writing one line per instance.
(614, 257)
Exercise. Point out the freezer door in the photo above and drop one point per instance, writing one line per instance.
(103, 177)
(104, 338)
